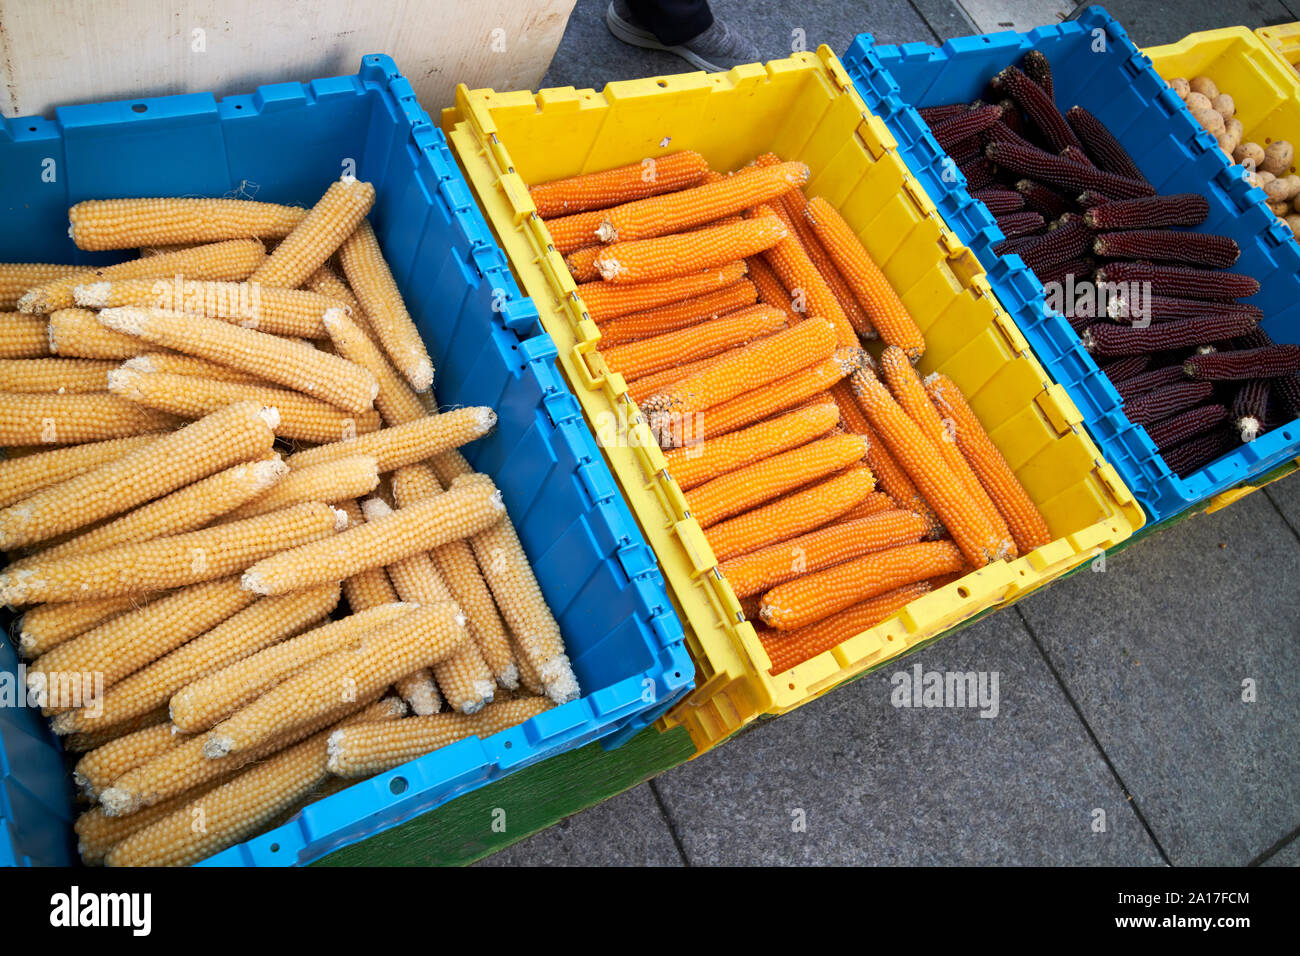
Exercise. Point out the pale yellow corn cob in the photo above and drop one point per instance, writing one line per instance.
(48, 625)
(37, 418)
(189, 508)
(232, 261)
(97, 770)
(326, 281)
(464, 678)
(423, 636)
(456, 563)
(409, 443)
(97, 832)
(292, 364)
(377, 543)
(419, 692)
(20, 477)
(330, 222)
(84, 743)
(358, 475)
(293, 312)
(373, 284)
(146, 251)
(364, 749)
(510, 576)
(23, 336)
(369, 588)
(126, 643)
(17, 277)
(184, 768)
(65, 376)
(173, 561)
(244, 633)
(396, 402)
(205, 701)
(301, 418)
(236, 433)
(529, 679)
(174, 363)
(127, 223)
(77, 333)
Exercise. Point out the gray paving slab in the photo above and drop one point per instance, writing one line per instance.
(1289, 855)
(626, 830)
(1156, 649)
(1165, 21)
(992, 16)
(945, 18)
(852, 779)
(1285, 494)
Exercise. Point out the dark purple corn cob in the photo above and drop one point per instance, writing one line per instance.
(1013, 246)
(1149, 212)
(937, 114)
(970, 151)
(1000, 132)
(1104, 148)
(1161, 403)
(1067, 239)
(1090, 197)
(978, 173)
(1189, 248)
(968, 124)
(1060, 172)
(1042, 198)
(1075, 154)
(1250, 407)
(1000, 201)
(1163, 308)
(1126, 369)
(1286, 390)
(1116, 340)
(1184, 281)
(1058, 272)
(1038, 106)
(1038, 69)
(1016, 224)
(1137, 385)
(1193, 455)
(1182, 427)
(1271, 361)
(1011, 116)
(1080, 322)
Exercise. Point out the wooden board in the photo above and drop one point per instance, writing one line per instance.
(59, 52)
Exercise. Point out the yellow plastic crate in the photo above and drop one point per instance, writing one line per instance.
(802, 108)
(1283, 40)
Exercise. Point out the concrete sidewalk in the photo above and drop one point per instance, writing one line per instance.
(1147, 713)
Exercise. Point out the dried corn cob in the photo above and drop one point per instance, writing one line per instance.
(39, 418)
(127, 223)
(1250, 408)
(786, 649)
(372, 281)
(1161, 403)
(46, 625)
(1271, 361)
(978, 174)
(678, 315)
(289, 363)
(609, 300)
(1149, 212)
(457, 514)
(1042, 198)
(791, 516)
(813, 597)
(1185, 281)
(874, 504)
(360, 749)
(581, 263)
(1016, 224)
(170, 562)
(1167, 245)
(770, 290)
(1067, 239)
(1063, 173)
(1028, 528)
(64, 376)
(84, 743)
(98, 769)
(609, 187)
(419, 692)
(236, 433)
(962, 126)
(1116, 340)
(369, 588)
(1195, 453)
(760, 570)
(646, 386)
(809, 292)
(1038, 68)
(699, 463)
(231, 261)
(1135, 385)
(328, 481)
(794, 203)
(1038, 106)
(1000, 202)
(396, 401)
(644, 260)
(77, 333)
(571, 233)
(1121, 370)
(243, 633)
(408, 443)
(1180, 428)
(23, 336)
(17, 277)
(422, 636)
(97, 832)
(335, 216)
(636, 359)
(1101, 145)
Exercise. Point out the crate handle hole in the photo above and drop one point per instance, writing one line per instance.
(963, 593)
(792, 686)
(398, 785)
(275, 848)
(239, 106)
(509, 744)
(139, 108)
(663, 83)
(31, 129)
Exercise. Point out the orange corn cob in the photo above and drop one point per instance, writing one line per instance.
(770, 358)
(702, 462)
(635, 359)
(762, 481)
(816, 596)
(609, 187)
(765, 568)
(873, 504)
(792, 515)
(770, 290)
(808, 292)
(780, 395)
(571, 233)
(1022, 516)
(609, 300)
(679, 211)
(911, 396)
(924, 465)
(642, 260)
(678, 315)
(642, 388)
(869, 285)
(794, 203)
(582, 263)
(788, 648)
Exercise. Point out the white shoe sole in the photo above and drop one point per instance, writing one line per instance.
(635, 36)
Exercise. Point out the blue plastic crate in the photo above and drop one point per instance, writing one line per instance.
(1096, 66)
(286, 143)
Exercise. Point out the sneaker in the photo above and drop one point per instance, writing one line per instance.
(716, 50)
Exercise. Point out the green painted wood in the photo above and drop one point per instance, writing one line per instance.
(462, 831)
